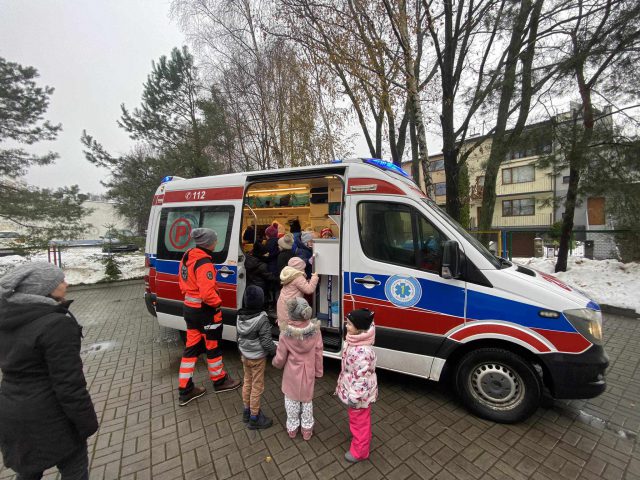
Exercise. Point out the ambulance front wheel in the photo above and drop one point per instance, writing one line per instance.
(498, 385)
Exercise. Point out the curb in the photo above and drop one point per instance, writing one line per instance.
(93, 286)
(620, 311)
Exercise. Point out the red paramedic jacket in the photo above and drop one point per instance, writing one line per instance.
(198, 280)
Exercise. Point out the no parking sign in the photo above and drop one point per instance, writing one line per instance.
(180, 233)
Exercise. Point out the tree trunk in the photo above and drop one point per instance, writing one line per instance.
(576, 165)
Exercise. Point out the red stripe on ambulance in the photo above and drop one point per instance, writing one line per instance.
(204, 194)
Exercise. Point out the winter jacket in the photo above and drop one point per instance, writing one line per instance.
(45, 409)
(300, 354)
(254, 334)
(283, 260)
(294, 284)
(258, 274)
(274, 251)
(358, 383)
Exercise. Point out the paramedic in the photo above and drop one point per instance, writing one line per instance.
(203, 317)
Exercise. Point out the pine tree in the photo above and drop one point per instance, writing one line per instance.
(42, 213)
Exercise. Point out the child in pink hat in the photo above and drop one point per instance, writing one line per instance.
(294, 285)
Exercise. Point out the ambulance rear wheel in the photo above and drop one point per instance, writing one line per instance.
(498, 385)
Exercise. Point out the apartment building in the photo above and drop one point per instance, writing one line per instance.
(529, 197)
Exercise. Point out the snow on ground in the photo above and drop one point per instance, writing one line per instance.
(83, 265)
(605, 281)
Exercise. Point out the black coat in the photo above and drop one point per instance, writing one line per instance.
(45, 409)
(258, 273)
(283, 260)
(274, 251)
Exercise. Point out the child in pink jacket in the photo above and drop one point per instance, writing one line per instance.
(357, 383)
(294, 285)
(300, 354)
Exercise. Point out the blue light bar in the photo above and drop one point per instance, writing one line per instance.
(384, 165)
(336, 160)
(166, 179)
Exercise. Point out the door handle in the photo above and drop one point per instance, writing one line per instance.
(367, 281)
(226, 271)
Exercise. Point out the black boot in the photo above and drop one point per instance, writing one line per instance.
(259, 421)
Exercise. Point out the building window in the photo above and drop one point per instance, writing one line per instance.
(565, 179)
(441, 188)
(436, 165)
(520, 207)
(526, 173)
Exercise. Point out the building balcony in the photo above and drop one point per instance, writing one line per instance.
(523, 221)
(542, 184)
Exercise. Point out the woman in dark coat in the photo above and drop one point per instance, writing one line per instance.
(46, 413)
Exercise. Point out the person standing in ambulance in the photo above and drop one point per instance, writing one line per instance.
(203, 317)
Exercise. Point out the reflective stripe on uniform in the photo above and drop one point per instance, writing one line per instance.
(185, 375)
(192, 299)
(187, 364)
(214, 363)
(212, 326)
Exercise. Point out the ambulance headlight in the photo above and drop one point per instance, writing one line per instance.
(587, 322)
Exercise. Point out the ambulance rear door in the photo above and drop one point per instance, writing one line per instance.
(218, 208)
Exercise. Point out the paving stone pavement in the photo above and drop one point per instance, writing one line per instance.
(419, 428)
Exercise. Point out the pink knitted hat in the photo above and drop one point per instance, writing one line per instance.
(297, 263)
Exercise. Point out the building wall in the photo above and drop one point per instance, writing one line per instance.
(104, 213)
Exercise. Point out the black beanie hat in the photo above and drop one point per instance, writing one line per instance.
(254, 297)
(361, 318)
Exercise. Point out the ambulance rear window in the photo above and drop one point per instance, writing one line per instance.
(176, 224)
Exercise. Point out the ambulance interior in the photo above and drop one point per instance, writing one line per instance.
(316, 203)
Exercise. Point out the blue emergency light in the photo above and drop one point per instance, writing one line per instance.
(166, 179)
(384, 165)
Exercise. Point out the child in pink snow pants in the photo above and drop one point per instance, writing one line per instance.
(300, 354)
(357, 383)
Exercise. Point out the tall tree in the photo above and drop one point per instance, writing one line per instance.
(170, 116)
(277, 100)
(602, 37)
(183, 129)
(44, 213)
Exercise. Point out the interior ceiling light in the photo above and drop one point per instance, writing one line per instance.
(277, 190)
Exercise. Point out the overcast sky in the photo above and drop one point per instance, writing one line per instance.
(96, 54)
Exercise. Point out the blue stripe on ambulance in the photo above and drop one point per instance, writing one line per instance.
(448, 299)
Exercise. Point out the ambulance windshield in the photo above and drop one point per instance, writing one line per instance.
(470, 238)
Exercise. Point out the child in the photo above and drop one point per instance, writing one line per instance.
(357, 383)
(300, 353)
(255, 343)
(326, 233)
(294, 284)
(304, 249)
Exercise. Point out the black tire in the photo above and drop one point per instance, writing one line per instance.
(498, 385)
(183, 336)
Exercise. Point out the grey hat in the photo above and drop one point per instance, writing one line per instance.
(306, 237)
(299, 309)
(204, 236)
(286, 242)
(29, 280)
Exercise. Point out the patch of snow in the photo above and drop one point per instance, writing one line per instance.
(83, 265)
(606, 281)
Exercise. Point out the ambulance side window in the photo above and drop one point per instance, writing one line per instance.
(176, 224)
(398, 234)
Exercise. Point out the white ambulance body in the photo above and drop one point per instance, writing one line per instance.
(442, 302)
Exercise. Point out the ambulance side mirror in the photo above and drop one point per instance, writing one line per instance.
(450, 260)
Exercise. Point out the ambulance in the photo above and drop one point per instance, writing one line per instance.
(445, 307)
